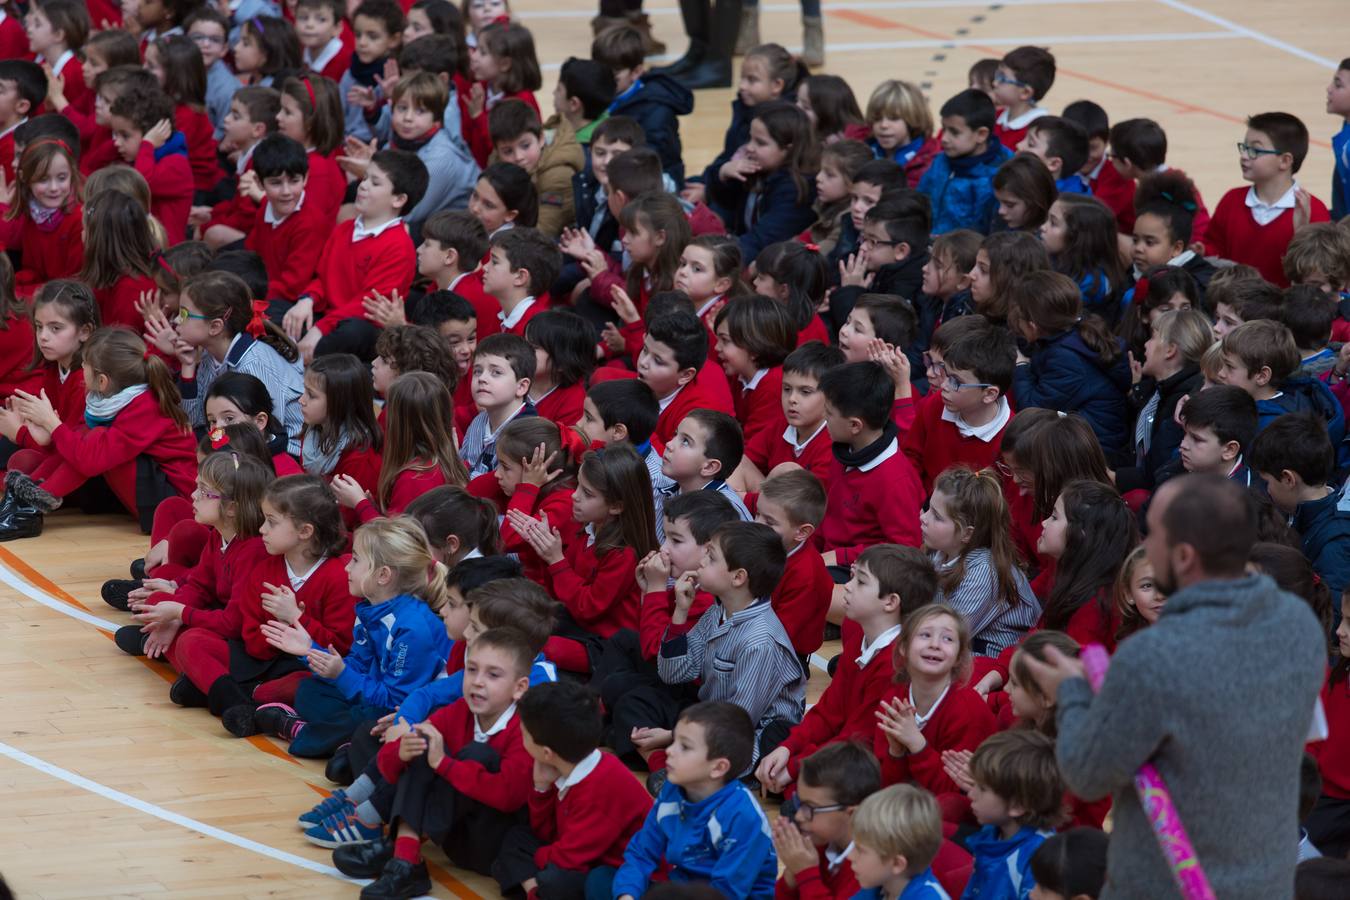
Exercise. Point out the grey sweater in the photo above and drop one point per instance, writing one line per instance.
(1219, 696)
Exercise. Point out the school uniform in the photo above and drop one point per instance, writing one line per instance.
(326, 185)
(284, 379)
(1329, 823)
(874, 498)
(1010, 130)
(831, 878)
(290, 247)
(914, 157)
(1002, 867)
(221, 84)
(759, 402)
(927, 885)
(66, 391)
(222, 565)
(168, 171)
(361, 463)
(196, 127)
(1067, 375)
(14, 39)
(1247, 230)
(678, 405)
(117, 302)
(960, 720)
(54, 249)
(562, 405)
(469, 285)
(16, 353)
(356, 262)
(476, 133)
(996, 621)
(765, 210)
(939, 438)
(1157, 436)
(7, 149)
(802, 598)
(238, 211)
(1116, 191)
(812, 452)
(331, 61)
(452, 173)
(597, 588)
(408, 485)
(1324, 528)
(1340, 179)
(962, 189)
(478, 446)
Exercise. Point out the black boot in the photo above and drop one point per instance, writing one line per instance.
(400, 880)
(278, 720)
(239, 721)
(697, 23)
(18, 520)
(29, 493)
(117, 592)
(130, 639)
(138, 568)
(696, 53)
(715, 69)
(339, 768)
(185, 693)
(364, 860)
(225, 693)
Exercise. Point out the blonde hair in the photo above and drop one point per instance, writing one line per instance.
(913, 621)
(1211, 362)
(901, 820)
(895, 99)
(1130, 618)
(121, 179)
(402, 545)
(1188, 329)
(426, 92)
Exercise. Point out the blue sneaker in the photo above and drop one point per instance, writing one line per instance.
(342, 830)
(335, 804)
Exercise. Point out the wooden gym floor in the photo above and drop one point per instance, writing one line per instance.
(111, 791)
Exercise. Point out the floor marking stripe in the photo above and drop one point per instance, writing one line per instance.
(830, 8)
(1252, 33)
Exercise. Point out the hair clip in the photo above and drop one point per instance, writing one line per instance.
(258, 324)
(309, 89)
(256, 22)
(235, 457)
(1141, 290)
(814, 248)
(145, 357)
(218, 438)
(164, 263)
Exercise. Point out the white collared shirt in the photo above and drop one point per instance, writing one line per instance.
(481, 737)
(13, 128)
(298, 581)
(1182, 258)
(667, 400)
(1023, 120)
(578, 773)
(921, 720)
(60, 60)
(241, 166)
(986, 432)
(1097, 170)
(516, 314)
(881, 457)
(799, 447)
(330, 50)
(884, 640)
(270, 215)
(458, 278)
(835, 859)
(360, 232)
(1264, 213)
(754, 380)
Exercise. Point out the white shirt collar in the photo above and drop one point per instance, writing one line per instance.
(13, 128)
(881, 457)
(667, 400)
(516, 314)
(836, 859)
(475, 553)
(884, 640)
(60, 60)
(924, 719)
(754, 380)
(1097, 170)
(1182, 258)
(1264, 213)
(360, 232)
(578, 773)
(1023, 120)
(799, 447)
(458, 278)
(330, 50)
(241, 166)
(986, 432)
(481, 737)
(590, 534)
(298, 581)
(270, 215)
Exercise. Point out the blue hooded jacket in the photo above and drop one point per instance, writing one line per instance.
(1303, 393)
(397, 647)
(1002, 868)
(657, 106)
(1065, 375)
(962, 189)
(724, 840)
(923, 886)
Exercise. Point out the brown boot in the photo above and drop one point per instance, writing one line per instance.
(747, 37)
(603, 23)
(643, 23)
(813, 42)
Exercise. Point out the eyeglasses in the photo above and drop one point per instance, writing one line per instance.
(809, 812)
(952, 384)
(1000, 78)
(866, 241)
(207, 39)
(205, 494)
(1247, 151)
(184, 314)
(934, 364)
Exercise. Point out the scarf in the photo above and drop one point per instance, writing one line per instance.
(854, 458)
(315, 461)
(413, 145)
(364, 73)
(100, 410)
(176, 144)
(46, 220)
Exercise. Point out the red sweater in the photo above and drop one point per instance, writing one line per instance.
(326, 185)
(814, 331)
(364, 466)
(338, 65)
(236, 212)
(557, 505)
(209, 584)
(1333, 754)
(593, 822)
(820, 882)
(7, 155)
(51, 254)
(1234, 234)
(518, 329)
(14, 39)
(600, 591)
(654, 617)
(694, 395)
(507, 790)
(878, 506)
(562, 405)
(961, 722)
(171, 187)
(768, 449)
(67, 397)
(761, 408)
(201, 140)
(1117, 192)
(140, 428)
(802, 599)
(408, 485)
(16, 354)
(485, 306)
(349, 271)
(117, 303)
(328, 613)
(290, 249)
(933, 444)
(847, 708)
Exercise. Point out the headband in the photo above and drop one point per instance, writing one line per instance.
(309, 89)
(256, 22)
(164, 263)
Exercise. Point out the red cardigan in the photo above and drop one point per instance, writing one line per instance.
(171, 188)
(592, 824)
(117, 302)
(13, 38)
(820, 882)
(878, 506)
(1234, 234)
(961, 722)
(349, 271)
(557, 505)
(214, 577)
(847, 708)
(933, 444)
(16, 354)
(485, 306)
(408, 485)
(654, 617)
(802, 599)
(760, 409)
(326, 185)
(329, 610)
(562, 405)
(769, 448)
(507, 789)
(67, 397)
(201, 140)
(290, 250)
(1333, 754)
(51, 254)
(600, 591)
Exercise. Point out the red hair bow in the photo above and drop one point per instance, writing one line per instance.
(814, 248)
(218, 439)
(573, 444)
(258, 324)
(1141, 290)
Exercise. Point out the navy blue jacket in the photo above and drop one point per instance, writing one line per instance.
(1325, 530)
(738, 133)
(657, 107)
(1064, 374)
(1304, 393)
(777, 214)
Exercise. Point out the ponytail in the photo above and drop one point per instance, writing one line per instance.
(401, 544)
(449, 510)
(165, 389)
(976, 501)
(121, 355)
(1054, 304)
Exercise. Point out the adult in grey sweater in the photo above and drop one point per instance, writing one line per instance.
(1218, 695)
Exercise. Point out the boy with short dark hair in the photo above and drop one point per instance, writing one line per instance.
(251, 116)
(894, 245)
(674, 350)
(1104, 180)
(654, 100)
(551, 157)
(586, 806)
(286, 232)
(318, 25)
(706, 446)
(522, 266)
(1296, 460)
(806, 440)
(503, 367)
(705, 824)
(142, 127)
(960, 182)
(1219, 423)
(377, 26)
(1236, 298)
(371, 254)
(1260, 357)
(1017, 797)
(1025, 76)
(582, 98)
(1062, 145)
(23, 87)
(875, 494)
(1254, 225)
(1308, 313)
(1139, 149)
(625, 409)
(792, 503)
(612, 137)
(453, 244)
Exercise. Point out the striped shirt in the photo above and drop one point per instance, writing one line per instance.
(673, 490)
(746, 659)
(994, 626)
(478, 449)
(285, 382)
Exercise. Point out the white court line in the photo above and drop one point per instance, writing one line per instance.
(1252, 33)
(531, 15)
(9, 577)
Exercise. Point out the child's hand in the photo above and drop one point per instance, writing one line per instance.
(655, 569)
(477, 100)
(412, 745)
(594, 263)
(435, 743)
(362, 96)
(308, 343)
(544, 776)
(520, 521)
(686, 586)
(1136, 369)
(546, 541)
(386, 312)
(624, 307)
(280, 603)
(299, 319)
(349, 491)
(694, 192)
(613, 339)
(157, 555)
(576, 242)
(7, 191)
(391, 75)
(356, 156)
(396, 728)
(1179, 414)
(10, 422)
(956, 763)
(896, 720)
(383, 725)
(896, 364)
(1342, 360)
(326, 665)
(36, 410)
(290, 638)
(1302, 208)
(56, 88)
(738, 169)
(188, 357)
(537, 471)
(153, 586)
(166, 612)
(853, 271)
(649, 739)
(772, 771)
(794, 850)
(160, 133)
(158, 638)
(250, 185)
(200, 215)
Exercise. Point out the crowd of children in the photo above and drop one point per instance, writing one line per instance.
(510, 466)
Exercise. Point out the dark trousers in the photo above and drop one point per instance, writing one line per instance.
(615, 9)
(633, 694)
(1328, 826)
(330, 718)
(362, 753)
(515, 864)
(714, 27)
(470, 832)
(354, 336)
